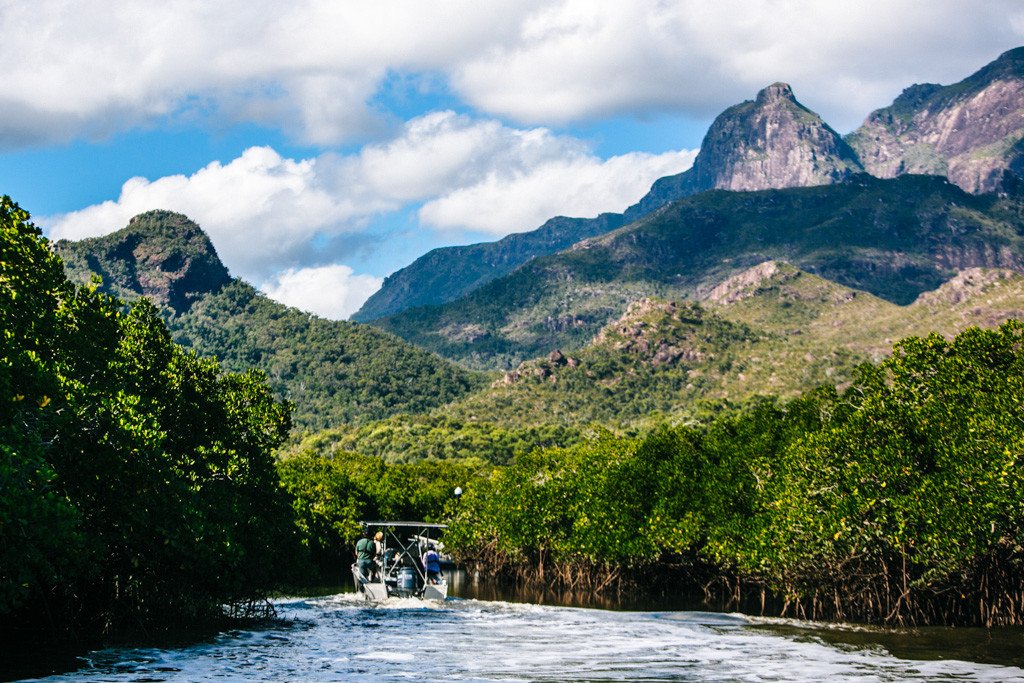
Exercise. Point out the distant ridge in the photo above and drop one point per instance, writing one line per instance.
(972, 132)
(447, 273)
(334, 372)
(772, 141)
(893, 238)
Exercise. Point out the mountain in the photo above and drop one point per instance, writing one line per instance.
(771, 329)
(972, 131)
(334, 372)
(160, 255)
(447, 273)
(772, 141)
(893, 238)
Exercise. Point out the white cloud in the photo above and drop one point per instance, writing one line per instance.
(310, 67)
(334, 292)
(94, 67)
(505, 200)
(266, 213)
(261, 210)
(579, 59)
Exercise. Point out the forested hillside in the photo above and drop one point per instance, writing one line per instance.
(897, 500)
(333, 372)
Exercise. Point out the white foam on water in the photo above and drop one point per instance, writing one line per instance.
(344, 638)
(386, 656)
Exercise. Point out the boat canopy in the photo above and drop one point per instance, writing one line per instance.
(419, 525)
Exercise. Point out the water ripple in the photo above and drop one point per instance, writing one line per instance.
(340, 638)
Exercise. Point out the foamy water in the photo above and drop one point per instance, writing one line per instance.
(341, 638)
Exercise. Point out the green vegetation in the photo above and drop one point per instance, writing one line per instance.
(137, 478)
(139, 486)
(892, 238)
(436, 436)
(897, 500)
(331, 495)
(333, 372)
(447, 273)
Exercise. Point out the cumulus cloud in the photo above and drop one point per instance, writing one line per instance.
(94, 67)
(261, 210)
(334, 292)
(311, 67)
(266, 213)
(508, 200)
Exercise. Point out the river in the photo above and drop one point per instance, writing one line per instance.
(477, 637)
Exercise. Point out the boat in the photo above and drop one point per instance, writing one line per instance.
(398, 568)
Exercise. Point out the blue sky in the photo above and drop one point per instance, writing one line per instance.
(323, 145)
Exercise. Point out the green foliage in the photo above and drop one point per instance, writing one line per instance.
(40, 537)
(448, 273)
(897, 499)
(659, 359)
(436, 436)
(333, 372)
(138, 483)
(886, 237)
(332, 494)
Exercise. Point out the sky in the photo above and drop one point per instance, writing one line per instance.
(325, 144)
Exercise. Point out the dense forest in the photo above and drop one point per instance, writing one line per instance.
(138, 481)
(331, 371)
(898, 500)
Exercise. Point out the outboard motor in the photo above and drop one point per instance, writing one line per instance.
(406, 582)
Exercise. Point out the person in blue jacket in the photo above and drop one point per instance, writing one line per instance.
(432, 564)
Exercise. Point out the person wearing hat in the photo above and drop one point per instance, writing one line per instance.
(432, 564)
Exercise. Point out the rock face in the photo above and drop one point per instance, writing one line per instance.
(769, 143)
(972, 131)
(160, 255)
(773, 142)
(743, 285)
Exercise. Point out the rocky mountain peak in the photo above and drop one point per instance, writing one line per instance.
(774, 93)
(970, 132)
(161, 255)
(772, 142)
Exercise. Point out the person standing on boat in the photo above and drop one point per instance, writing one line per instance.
(378, 547)
(366, 551)
(432, 564)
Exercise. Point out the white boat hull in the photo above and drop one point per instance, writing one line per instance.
(379, 592)
(435, 591)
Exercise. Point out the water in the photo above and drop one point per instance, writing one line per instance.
(341, 638)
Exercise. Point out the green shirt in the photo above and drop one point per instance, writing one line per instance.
(365, 549)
